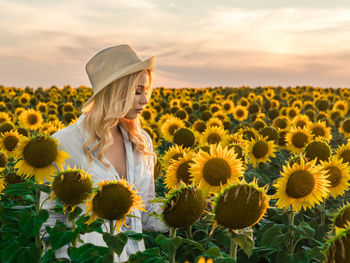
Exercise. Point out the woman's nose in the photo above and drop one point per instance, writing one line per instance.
(144, 99)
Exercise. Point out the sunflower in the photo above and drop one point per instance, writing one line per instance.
(24, 99)
(320, 129)
(343, 152)
(72, 186)
(319, 150)
(297, 139)
(42, 108)
(30, 119)
(338, 176)
(339, 248)
(179, 172)
(342, 106)
(169, 127)
(4, 117)
(301, 120)
(184, 137)
(3, 161)
(6, 127)
(341, 219)
(258, 124)
(248, 133)
(292, 112)
(302, 185)
(213, 135)
(183, 207)
(240, 113)
(345, 128)
(174, 153)
(227, 106)
(240, 205)
(260, 151)
(37, 156)
(113, 200)
(9, 142)
(215, 169)
(215, 122)
(199, 126)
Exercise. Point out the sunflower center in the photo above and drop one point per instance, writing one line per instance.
(239, 113)
(300, 184)
(214, 138)
(182, 172)
(334, 176)
(40, 152)
(301, 123)
(42, 108)
(216, 171)
(345, 155)
(172, 128)
(227, 106)
(299, 140)
(146, 115)
(346, 125)
(10, 142)
(32, 119)
(318, 131)
(260, 149)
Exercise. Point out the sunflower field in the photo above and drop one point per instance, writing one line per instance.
(243, 175)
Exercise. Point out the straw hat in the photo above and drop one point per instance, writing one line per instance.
(111, 64)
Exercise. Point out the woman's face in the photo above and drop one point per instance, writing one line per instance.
(140, 98)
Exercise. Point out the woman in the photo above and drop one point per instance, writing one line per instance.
(107, 140)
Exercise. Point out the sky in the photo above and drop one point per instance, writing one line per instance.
(201, 43)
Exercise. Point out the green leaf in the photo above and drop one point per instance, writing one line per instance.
(48, 256)
(18, 189)
(31, 224)
(169, 245)
(213, 252)
(148, 255)
(116, 242)
(15, 253)
(42, 187)
(135, 236)
(60, 238)
(272, 237)
(194, 243)
(282, 256)
(158, 200)
(89, 253)
(245, 241)
(73, 215)
(307, 230)
(301, 257)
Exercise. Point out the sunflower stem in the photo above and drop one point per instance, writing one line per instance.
(290, 243)
(233, 250)
(37, 209)
(189, 232)
(172, 254)
(323, 215)
(111, 231)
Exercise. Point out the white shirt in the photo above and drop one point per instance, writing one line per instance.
(139, 173)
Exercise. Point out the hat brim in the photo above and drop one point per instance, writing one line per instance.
(136, 67)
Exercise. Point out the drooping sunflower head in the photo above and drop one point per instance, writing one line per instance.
(319, 150)
(36, 157)
(13, 178)
(270, 133)
(341, 218)
(219, 167)
(213, 135)
(240, 205)
(282, 142)
(337, 173)
(184, 137)
(179, 171)
(9, 142)
(297, 139)
(30, 119)
(301, 186)
(72, 186)
(339, 248)
(260, 151)
(113, 200)
(183, 207)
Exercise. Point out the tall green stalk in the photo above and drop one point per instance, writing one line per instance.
(111, 231)
(172, 254)
(290, 243)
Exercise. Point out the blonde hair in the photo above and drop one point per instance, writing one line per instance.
(106, 110)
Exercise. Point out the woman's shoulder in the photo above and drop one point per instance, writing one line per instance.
(68, 137)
